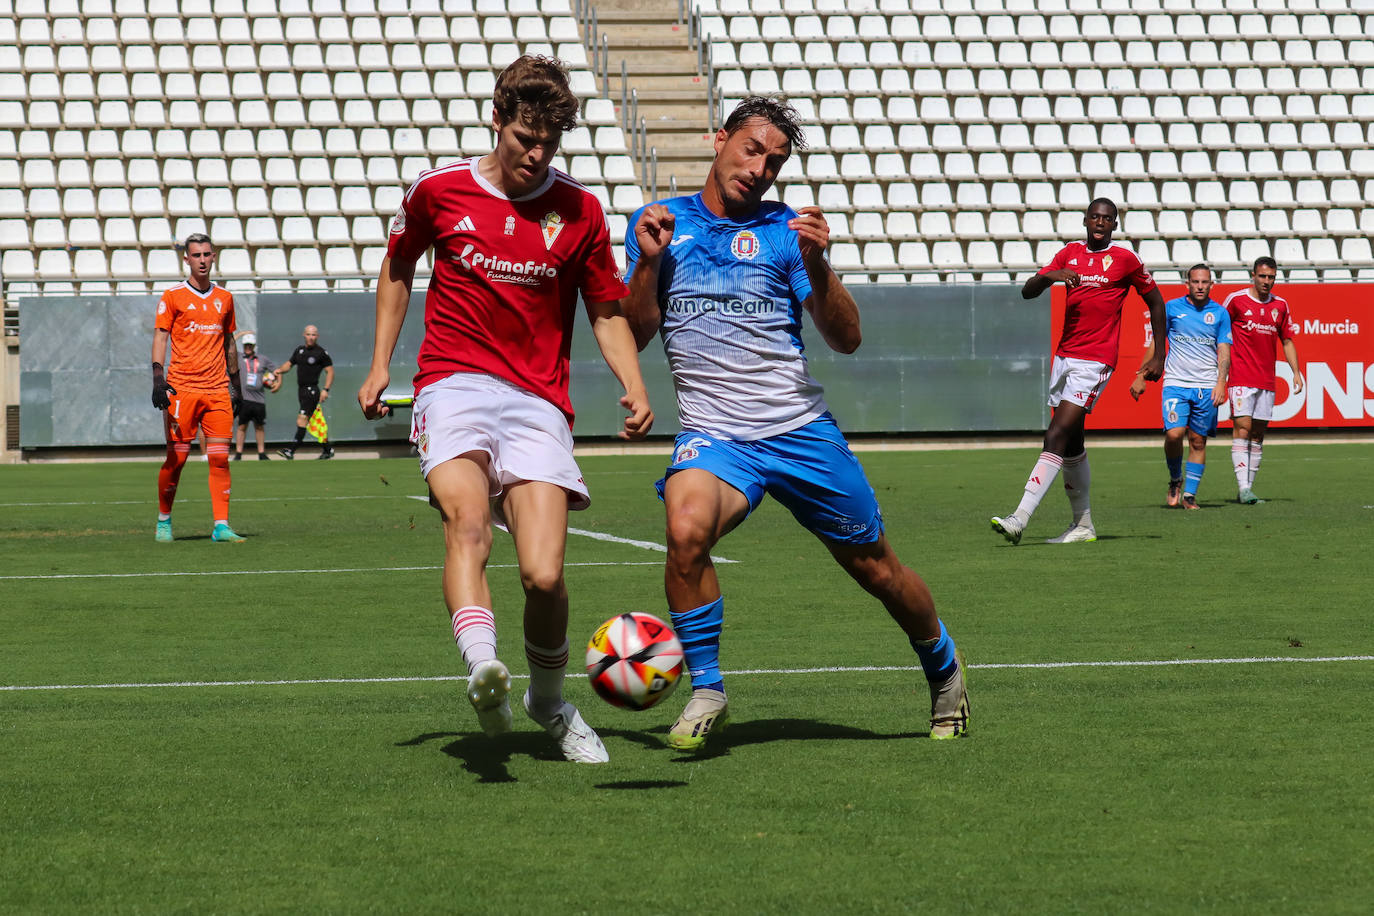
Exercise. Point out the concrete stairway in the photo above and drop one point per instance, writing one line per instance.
(661, 67)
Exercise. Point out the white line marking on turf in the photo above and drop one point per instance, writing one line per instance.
(1273, 659)
(290, 572)
(203, 499)
(597, 535)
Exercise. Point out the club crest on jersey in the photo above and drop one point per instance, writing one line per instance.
(1209, 318)
(550, 226)
(1106, 262)
(1275, 313)
(745, 245)
(510, 225)
(398, 222)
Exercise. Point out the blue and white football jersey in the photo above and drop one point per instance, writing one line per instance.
(1191, 361)
(731, 293)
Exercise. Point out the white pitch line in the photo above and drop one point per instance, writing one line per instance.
(195, 499)
(597, 535)
(291, 572)
(1160, 663)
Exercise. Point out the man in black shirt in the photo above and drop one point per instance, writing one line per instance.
(310, 359)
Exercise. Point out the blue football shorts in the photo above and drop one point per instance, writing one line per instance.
(1190, 407)
(809, 470)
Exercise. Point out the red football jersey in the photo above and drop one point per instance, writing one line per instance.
(1256, 329)
(1092, 312)
(507, 272)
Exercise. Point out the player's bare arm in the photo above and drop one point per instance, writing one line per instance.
(231, 365)
(393, 298)
(328, 383)
(617, 343)
(1041, 282)
(1223, 369)
(1290, 353)
(831, 306)
(161, 389)
(1153, 369)
(1138, 383)
(654, 233)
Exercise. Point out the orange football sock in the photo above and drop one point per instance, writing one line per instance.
(170, 475)
(218, 453)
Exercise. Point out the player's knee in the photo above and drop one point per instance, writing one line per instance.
(468, 535)
(543, 580)
(878, 575)
(690, 537)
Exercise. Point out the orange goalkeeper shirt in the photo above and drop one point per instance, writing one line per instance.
(197, 323)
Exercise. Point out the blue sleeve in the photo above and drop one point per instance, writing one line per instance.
(632, 244)
(1224, 327)
(796, 270)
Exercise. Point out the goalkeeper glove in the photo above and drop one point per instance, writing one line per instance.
(161, 389)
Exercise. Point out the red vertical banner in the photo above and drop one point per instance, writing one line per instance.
(1335, 344)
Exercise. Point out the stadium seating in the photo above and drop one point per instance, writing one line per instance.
(947, 140)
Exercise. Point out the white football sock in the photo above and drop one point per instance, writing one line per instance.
(474, 629)
(1077, 484)
(1256, 453)
(1240, 462)
(547, 667)
(1042, 477)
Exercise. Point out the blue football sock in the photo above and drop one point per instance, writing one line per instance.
(936, 655)
(1194, 477)
(699, 632)
(1175, 467)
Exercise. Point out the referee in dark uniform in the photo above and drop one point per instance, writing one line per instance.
(310, 360)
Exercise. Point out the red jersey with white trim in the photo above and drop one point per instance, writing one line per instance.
(196, 322)
(1092, 311)
(507, 272)
(1256, 331)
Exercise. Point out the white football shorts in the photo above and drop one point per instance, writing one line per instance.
(1256, 403)
(524, 436)
(1078, 381)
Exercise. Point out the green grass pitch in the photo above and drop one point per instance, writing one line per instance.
(290, 735)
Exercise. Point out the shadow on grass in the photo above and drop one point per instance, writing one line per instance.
(1038, 542)
(760, 731)
(486, 757)
(643, 784)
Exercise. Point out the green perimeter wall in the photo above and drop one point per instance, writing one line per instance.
(935, 359)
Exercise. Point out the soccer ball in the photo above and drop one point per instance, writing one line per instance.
(269, 378)
(634, 660)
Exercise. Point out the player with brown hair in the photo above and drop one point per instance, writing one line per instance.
(515, 242)
(196, 319)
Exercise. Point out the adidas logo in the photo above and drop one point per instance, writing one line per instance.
(465, 225)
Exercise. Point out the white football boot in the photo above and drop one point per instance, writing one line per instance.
(1009, 527)
(575, 737)
(488, 686)
(1075, 535)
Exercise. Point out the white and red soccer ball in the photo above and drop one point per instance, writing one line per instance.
(634, 660)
